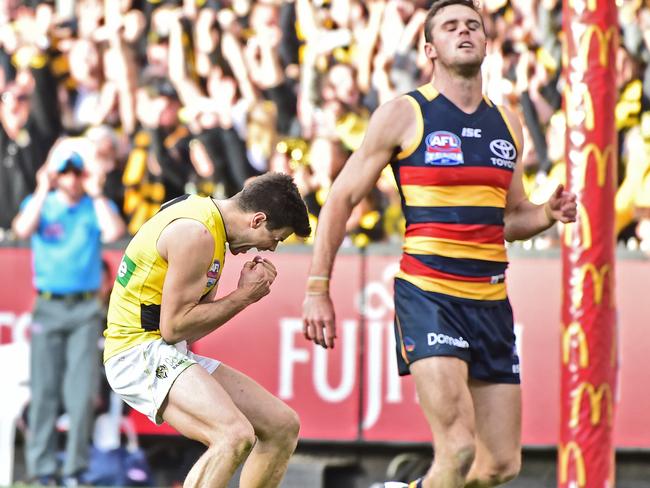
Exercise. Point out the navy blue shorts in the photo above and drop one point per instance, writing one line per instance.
(478, 332)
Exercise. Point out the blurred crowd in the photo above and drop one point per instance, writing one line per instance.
(165, 97)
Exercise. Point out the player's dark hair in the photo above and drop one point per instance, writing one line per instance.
(440, 4)
(276, 195)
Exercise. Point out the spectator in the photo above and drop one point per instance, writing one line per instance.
(157, 168)
(67, 218)
(247, 75)
(29, 124)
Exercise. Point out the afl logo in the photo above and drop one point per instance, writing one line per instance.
(503, 149)
(443, 148)
(213, 272)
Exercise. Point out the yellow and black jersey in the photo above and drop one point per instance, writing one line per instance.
(453, 183)
(134, 310)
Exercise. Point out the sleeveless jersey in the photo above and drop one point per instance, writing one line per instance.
(134, 310)
(453, 182)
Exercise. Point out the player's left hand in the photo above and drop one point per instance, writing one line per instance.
(561, 206)
(268, 265)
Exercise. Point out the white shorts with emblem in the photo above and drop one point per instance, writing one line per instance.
(144, 374)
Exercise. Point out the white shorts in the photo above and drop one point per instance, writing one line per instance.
(144, 374)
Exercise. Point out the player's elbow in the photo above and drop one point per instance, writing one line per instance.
(511, 232)
(169, 333)
(509, 236)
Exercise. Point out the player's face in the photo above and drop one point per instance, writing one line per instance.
(258, 236)
(458, 40)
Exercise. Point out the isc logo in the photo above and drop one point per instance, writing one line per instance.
(471, 132)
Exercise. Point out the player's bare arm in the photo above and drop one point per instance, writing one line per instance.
(211, 296)
(188, 247)
(524, 219)
(391, 127)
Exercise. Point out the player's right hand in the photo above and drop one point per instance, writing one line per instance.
(256, 278)
(319, 321)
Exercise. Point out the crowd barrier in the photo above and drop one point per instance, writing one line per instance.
(353, 393)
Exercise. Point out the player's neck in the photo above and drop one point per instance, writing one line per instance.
(231, 216)
(464, 92)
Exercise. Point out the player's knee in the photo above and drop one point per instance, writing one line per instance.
(239, 438)
(289, 425)
(461, 448)
(283, 430)
(509, 470)
(464, 457)
(456, 458)
(500, 471)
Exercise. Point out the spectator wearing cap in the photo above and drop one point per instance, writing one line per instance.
(67, 218)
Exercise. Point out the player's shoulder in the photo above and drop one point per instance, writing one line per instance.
(187, 234)
(509, 115)
(399, 104)
(189, 229)
(395, 113)
(513, 123)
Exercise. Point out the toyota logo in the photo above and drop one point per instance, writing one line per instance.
(503, 149)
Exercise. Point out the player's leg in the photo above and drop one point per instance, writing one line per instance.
(445, 398)
(201, 409)
(495, 389)
(276, 426)
(434, 347)
(498, 432)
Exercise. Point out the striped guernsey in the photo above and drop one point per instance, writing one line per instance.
(453, 182)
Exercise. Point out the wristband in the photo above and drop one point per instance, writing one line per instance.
(318, 285)
(549, 215)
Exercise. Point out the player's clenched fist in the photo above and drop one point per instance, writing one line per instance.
(256, 277)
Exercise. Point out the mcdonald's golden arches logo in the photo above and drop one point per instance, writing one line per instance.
(596, 396)
(572, 335)
(585, 226)
(601, 158)
(598, 280)
(605, 40)
(572, 448)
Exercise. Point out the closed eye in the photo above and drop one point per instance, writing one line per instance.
(450, 25)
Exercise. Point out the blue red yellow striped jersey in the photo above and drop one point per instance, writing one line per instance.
(453, 181)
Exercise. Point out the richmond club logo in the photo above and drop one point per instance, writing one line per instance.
(161, 372)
